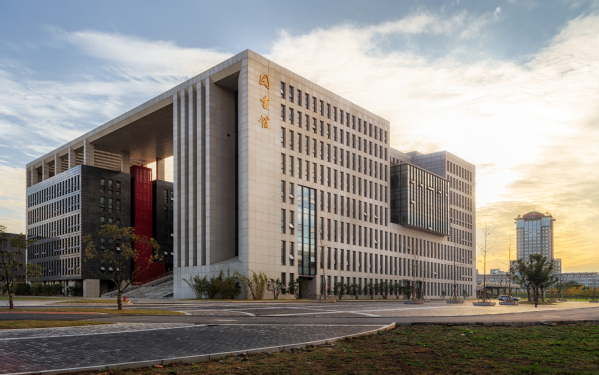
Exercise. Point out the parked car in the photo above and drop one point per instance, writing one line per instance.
(506, 298)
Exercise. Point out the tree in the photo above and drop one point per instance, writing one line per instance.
(324, 255)
(384, 288)
(12, 260)
(443, 294)
(539, 274)
(369, 290)
(485, 248)
(276, 287)
(300, 287)
(354, 290)
(340, 290)
(125, 250)
(519, 272)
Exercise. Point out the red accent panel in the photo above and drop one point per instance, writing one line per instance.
(141, 179)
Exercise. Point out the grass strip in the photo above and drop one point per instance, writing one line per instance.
(23, 324)
(124, 311)
(560, 349)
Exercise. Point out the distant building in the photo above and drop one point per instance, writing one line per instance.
(535, 236)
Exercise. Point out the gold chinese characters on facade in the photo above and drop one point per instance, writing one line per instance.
(264, 80)
(265, 121)
(265, 101)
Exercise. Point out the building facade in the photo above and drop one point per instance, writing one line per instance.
(534, 233)
(69, 205)
(275, 174)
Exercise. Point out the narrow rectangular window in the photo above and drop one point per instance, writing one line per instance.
(283, 253)
(291, 91)
(283, 90)
(282, 112)
(283, 221)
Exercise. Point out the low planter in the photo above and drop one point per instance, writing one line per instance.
(551, 300)
(593, 301)
(484, 303)
(453, 301)
(563, 300)
(509, 302)
(417, 302)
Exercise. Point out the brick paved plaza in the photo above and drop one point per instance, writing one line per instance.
(210, 328)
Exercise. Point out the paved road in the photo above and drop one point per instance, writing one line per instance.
(57, 349)
(211, 328)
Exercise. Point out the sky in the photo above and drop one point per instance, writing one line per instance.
(510, 86)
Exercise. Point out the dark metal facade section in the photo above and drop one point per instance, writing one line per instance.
(66, 207)
(306, 231)
(419, 199)
(163, 221)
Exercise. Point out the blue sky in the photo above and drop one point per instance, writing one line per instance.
(508, 85)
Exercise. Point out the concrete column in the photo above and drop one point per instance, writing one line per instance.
(57, 164)
(72, 157)
(45, 171)
(29, 173)
(192, 179)
(125, 162)
(88, 153)
(184, 146)
(176, 183)
(91, 288)
(160, 172)
(200, 188)
(206, 152)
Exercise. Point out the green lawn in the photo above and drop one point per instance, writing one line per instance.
(125, 311)
(562, 349)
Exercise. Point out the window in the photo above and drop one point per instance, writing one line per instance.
(283, 137)
(283, 253)
(282, 112)
(314, 104)
(118, 187)
(291, 166)
(291, 94)
(299, 99)
(102, 204)
(110, 187)
(291, 196)
(109, 205)
(328, 110)
(283, 90)
(118, 206)
(283, 222)
(291, 116)
(102, 185)
(283, 163)
(291, 223)
(291, 139)
(307, 101)
(283, 183)
(321, 108)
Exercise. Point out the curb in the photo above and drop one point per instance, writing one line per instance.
(205, 357)
(499, 324)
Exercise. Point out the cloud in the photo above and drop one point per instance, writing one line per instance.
(529, 127)
(532, 127)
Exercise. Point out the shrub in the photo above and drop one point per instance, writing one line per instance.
(257, 284)
(199, 286)
(340, 290)
(229, 286)
(276, 287)
(22, 289)
(75, 290)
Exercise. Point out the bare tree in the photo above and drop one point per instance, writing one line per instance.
(119, 253)
(324, 254)
(12, 260)
(485, 248)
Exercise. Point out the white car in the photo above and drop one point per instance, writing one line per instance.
(506, 298)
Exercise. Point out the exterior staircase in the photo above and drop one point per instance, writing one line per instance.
(155, 289)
